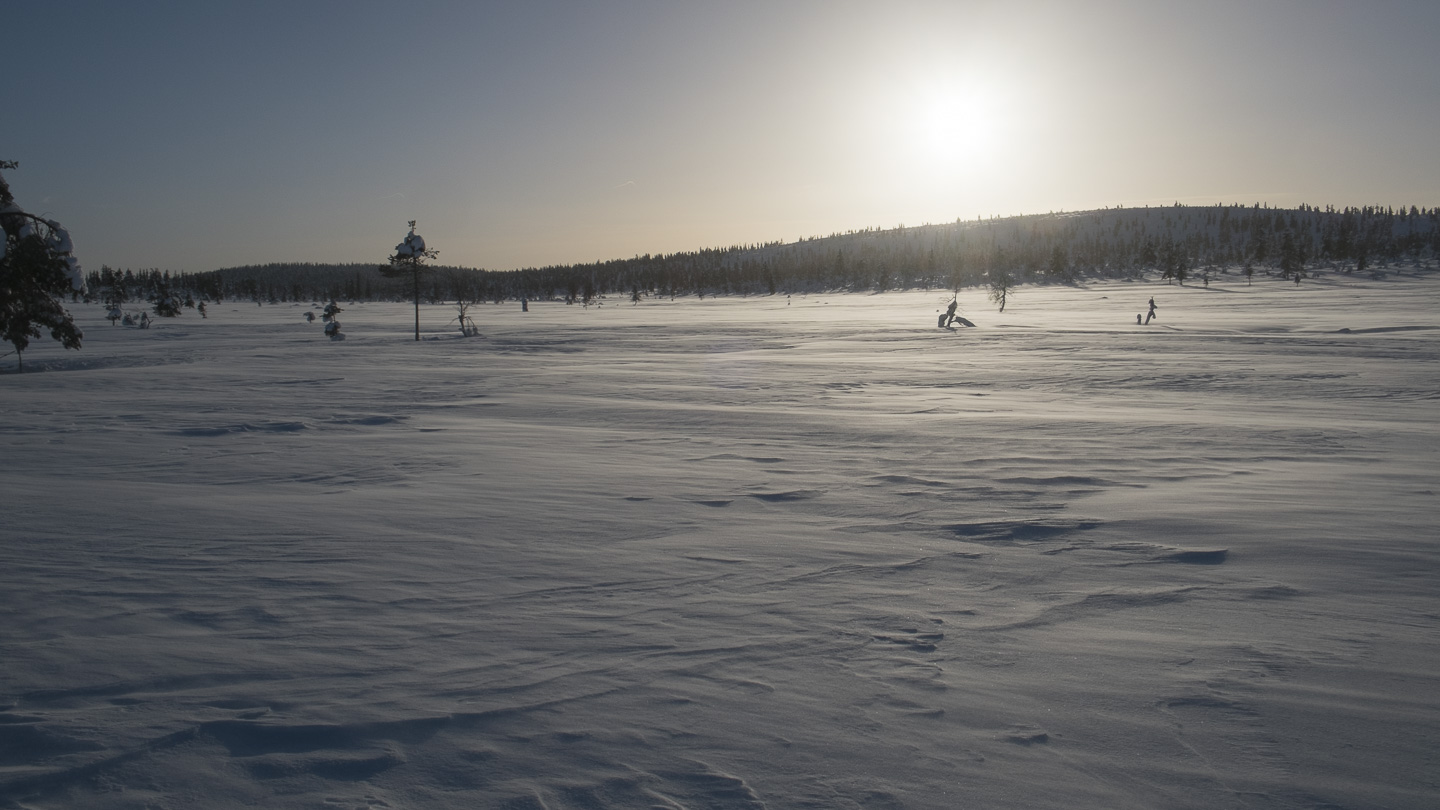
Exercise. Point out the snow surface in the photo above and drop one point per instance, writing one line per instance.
(733, 553)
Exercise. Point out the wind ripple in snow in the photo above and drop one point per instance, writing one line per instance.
(245, 427)
(729, 555)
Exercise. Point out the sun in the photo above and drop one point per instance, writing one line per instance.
(954, 126)
(939, 139)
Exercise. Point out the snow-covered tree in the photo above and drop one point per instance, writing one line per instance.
(167, 305)
(37, 270)
(410, 256)
(331, 317)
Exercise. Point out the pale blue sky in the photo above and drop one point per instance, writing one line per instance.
(191, 136)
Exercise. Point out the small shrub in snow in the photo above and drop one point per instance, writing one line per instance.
(332, 321)
(1000, 285)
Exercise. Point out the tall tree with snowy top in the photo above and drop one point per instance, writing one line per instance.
(37, 271)
(410, 256)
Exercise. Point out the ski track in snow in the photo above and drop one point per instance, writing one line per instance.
(733, 553)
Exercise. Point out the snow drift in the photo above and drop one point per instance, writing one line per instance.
(733, 553)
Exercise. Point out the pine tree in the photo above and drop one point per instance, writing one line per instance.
(36, 272)
(1173, 261)
(410, 256)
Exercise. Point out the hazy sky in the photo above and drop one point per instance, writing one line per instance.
(197, 135)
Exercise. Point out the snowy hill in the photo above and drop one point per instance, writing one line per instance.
(1176, 241)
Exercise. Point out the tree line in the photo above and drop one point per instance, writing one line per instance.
(1176, 243)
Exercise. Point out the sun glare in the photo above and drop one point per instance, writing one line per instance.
(953, 128)
(937, 139)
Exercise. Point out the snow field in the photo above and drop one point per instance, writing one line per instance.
(733, 553)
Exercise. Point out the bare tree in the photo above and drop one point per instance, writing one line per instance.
(1000, 285)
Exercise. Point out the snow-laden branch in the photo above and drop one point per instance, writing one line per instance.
(55, 236)
(414, 245)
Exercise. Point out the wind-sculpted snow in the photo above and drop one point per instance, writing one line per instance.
(732, 553)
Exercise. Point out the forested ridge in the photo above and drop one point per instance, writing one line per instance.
(1176, 243)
